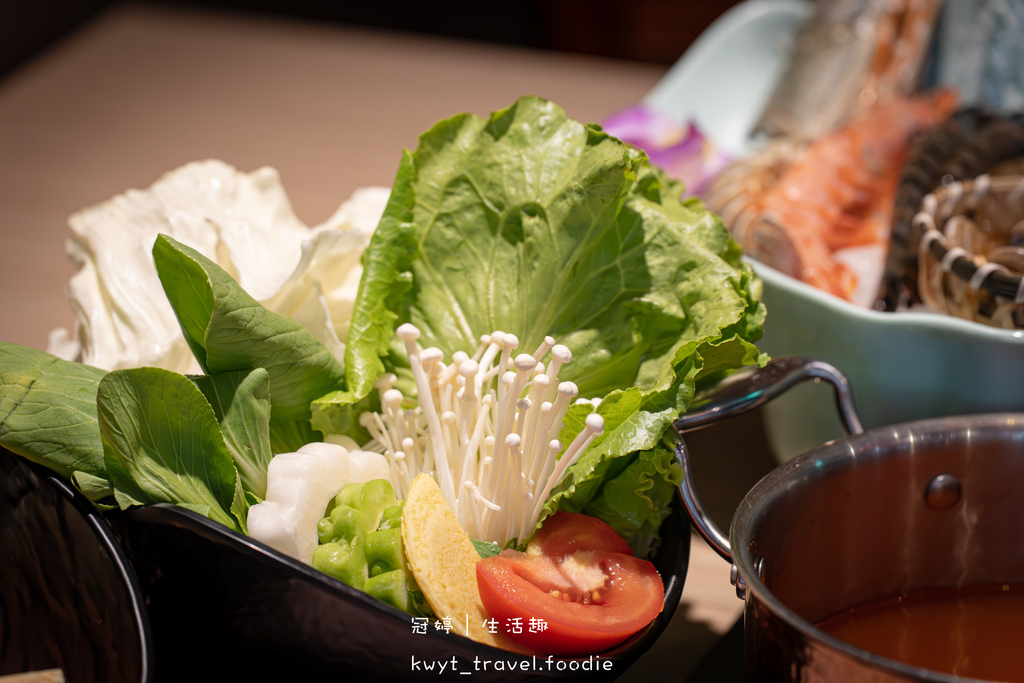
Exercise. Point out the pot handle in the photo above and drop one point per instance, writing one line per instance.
(739, 393)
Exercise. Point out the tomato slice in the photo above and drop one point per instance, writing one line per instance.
(581, 601)
(566, 532)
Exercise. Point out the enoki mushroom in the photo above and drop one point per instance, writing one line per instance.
(486, 427)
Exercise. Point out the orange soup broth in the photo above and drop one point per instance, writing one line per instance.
(975, 632)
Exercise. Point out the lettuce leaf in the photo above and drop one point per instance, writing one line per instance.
(531, 223)
(636, 499)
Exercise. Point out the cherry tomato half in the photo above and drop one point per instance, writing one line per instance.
(582, 601)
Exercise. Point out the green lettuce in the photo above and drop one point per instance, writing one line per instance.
(634, 498)
(532, 223)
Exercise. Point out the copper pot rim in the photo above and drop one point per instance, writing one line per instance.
(830, 456)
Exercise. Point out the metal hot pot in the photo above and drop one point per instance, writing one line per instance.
(929, 504)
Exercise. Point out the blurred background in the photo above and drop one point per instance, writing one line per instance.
(656, 31)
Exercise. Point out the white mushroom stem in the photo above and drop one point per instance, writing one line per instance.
(485, 340)
(468, 371)
(510, 483)
(486, 427)
(507, 407)
(471, 454)
(552, 424)
(534, 439)
(494, 345)
(593, 429)
(409, 334)
(538, 445)
(544, 347)
(509, 343)
(560, 355)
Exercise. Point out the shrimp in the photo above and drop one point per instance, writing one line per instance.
(838, 193)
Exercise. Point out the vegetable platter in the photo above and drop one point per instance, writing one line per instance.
(464, 465)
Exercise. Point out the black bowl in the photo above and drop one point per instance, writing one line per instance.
(68, 597)
(227, 607)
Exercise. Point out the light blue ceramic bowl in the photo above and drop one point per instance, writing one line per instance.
(728, 74)
(901, 366)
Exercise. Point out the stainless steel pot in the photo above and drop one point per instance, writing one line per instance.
(929, 504)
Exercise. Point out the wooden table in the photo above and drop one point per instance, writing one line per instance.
(142, 91)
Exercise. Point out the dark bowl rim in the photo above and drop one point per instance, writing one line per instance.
(108, 540)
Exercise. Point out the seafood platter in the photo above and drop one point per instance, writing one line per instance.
(452, 417)
(830, 180)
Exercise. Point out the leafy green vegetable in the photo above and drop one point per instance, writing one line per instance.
(48, 415)
(635, 501)
(534, 224)
(361, 545)
(143, 435)
(288, 436)
(229, 331)
(146, 435)
(485, 549)
(162, 444)
(241, 403)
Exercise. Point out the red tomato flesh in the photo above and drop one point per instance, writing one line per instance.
(580, 599)
(566, 532)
